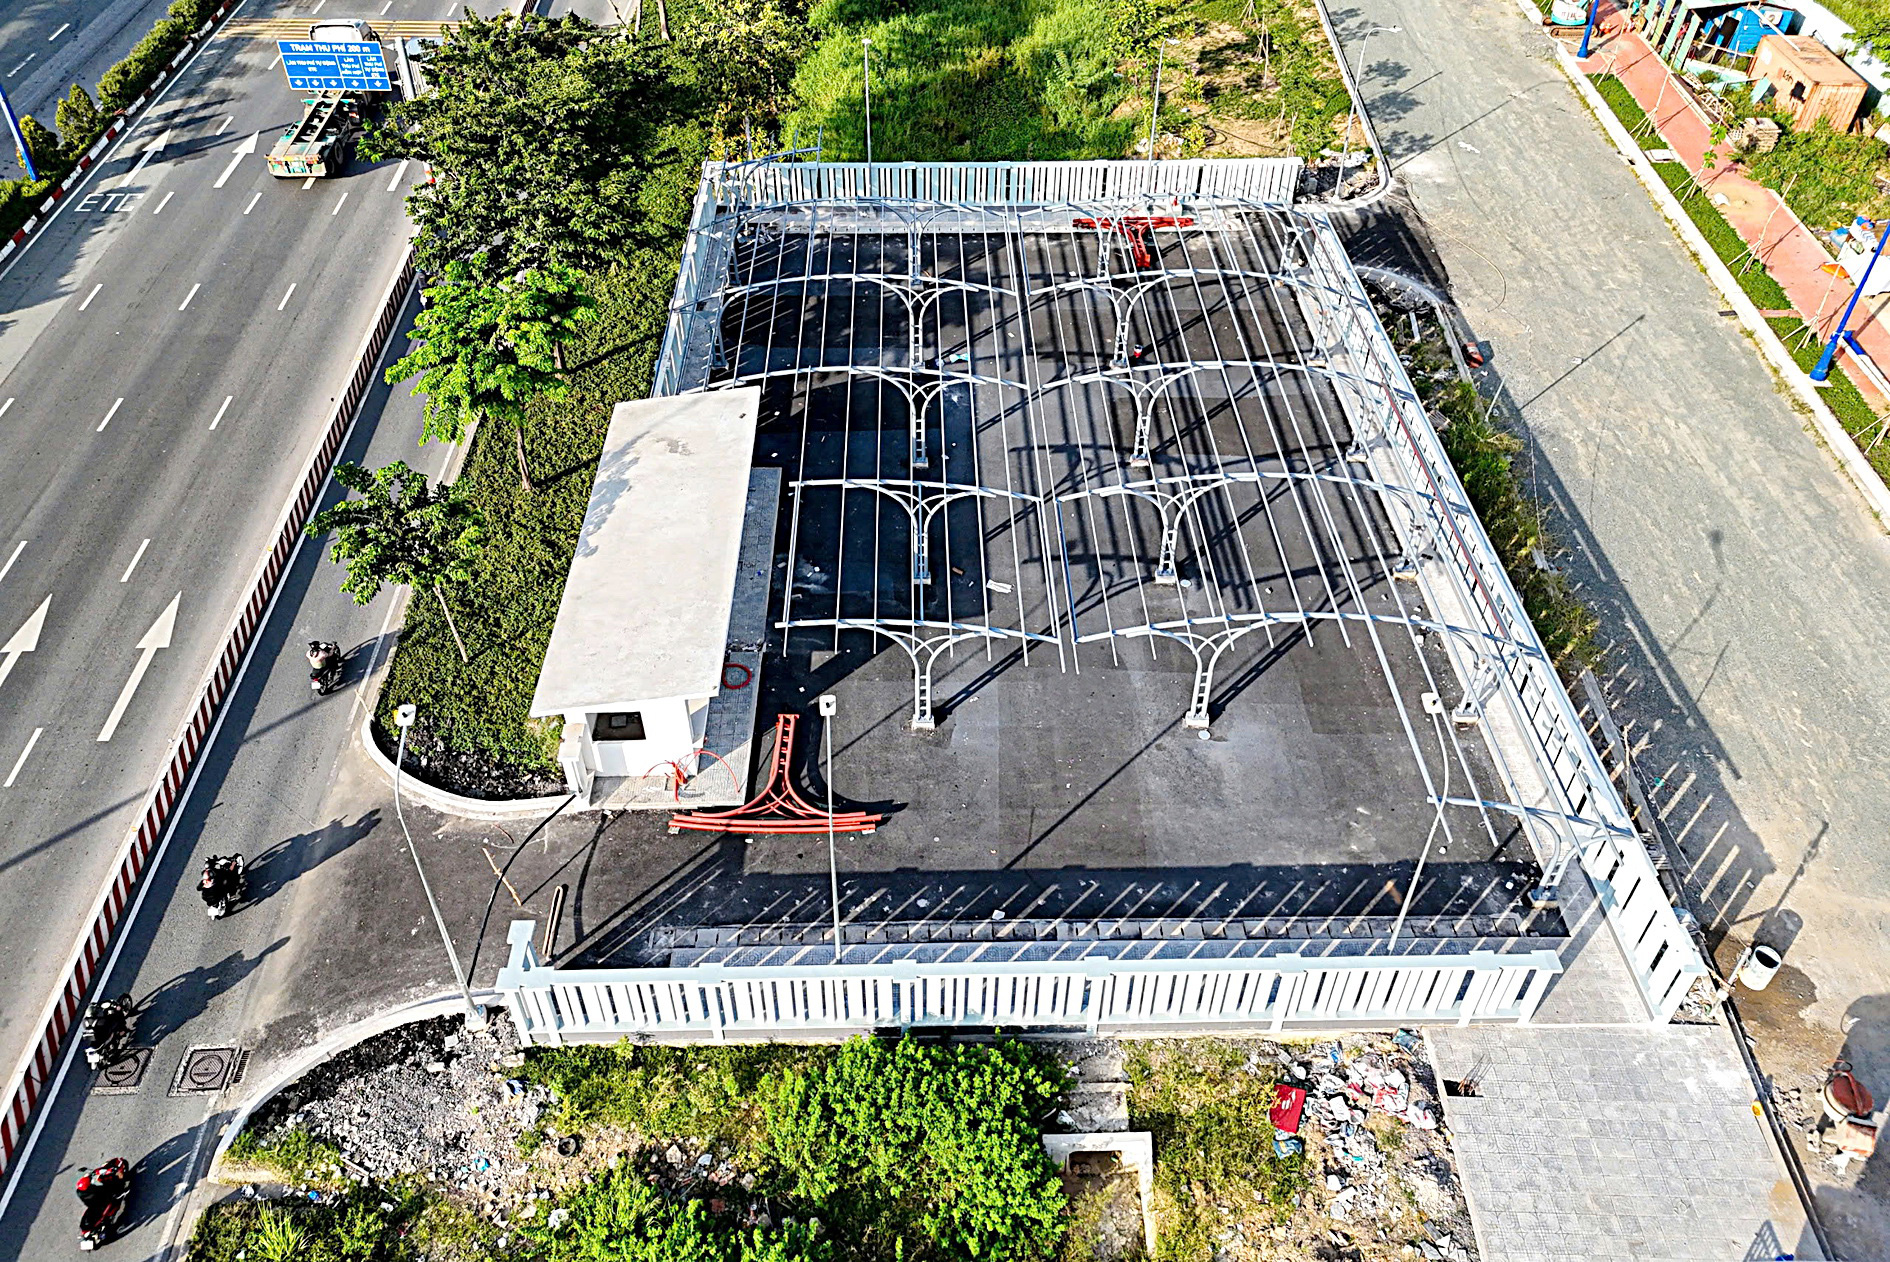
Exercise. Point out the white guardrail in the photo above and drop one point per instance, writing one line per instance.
(710, 1002)
(1581, 814)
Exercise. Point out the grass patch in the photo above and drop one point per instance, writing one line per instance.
(370, 1224)
(293, 1156)
(1840, 394)
(1214, 1161)
(1755, 280)
(1626, 109)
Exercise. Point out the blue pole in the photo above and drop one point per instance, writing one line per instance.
(1588, 31)
(1823, 370)
(13, 125)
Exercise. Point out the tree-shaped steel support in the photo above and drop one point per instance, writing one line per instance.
(922, 501)
(924, 649)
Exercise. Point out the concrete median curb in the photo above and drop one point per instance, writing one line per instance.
(145, 842)
(416, 790)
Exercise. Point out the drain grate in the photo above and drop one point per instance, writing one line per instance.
(207, 1070)
(124, 1075)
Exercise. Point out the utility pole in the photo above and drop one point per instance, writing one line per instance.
(475, 1015)
(19, 137)
(1358, 94)
(1588, 29)
(1823, 370)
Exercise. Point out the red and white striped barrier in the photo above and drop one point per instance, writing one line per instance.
(119, 124)
(38, 1064)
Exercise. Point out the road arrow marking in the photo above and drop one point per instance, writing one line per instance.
(25, 640)
(243, 150)
(158, 637)
(150, 153)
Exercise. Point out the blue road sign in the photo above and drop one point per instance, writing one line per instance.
(349, 66)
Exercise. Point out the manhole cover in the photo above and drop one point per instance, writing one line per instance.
(207, 1070)
(123, 1076)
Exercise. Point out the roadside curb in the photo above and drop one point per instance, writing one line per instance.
(146, 839)
(349, 1036)
(452, 803)
(1833, 435)
(124, 121)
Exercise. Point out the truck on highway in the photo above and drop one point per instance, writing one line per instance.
(323, 142)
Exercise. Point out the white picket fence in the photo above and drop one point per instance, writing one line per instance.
(712, 1003)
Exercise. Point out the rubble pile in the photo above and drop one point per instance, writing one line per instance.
(432, 1100)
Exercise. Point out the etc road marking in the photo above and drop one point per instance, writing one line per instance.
(21, 760)
(102, 203)
(109, 415)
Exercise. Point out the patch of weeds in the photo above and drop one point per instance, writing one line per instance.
(293, 1156)
(1627, 109)
(1840, 394)
(1214, 1159)
(1728, 244)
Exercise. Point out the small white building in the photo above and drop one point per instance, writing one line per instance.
(676, 546)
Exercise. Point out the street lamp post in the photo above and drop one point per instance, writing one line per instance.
(475, 1015)
(1588, 28)
(1358, 92)
(19, 137)
(1823, 370)
(828, 705)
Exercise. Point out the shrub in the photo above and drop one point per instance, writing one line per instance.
(42, 142)
(80, 123)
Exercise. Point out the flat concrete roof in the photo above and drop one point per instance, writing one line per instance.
(646, 606)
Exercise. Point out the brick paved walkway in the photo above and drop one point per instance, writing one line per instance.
(1590, 1143)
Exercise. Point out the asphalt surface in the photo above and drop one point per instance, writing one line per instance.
(1743, 587)
(160, 381)
(46, 46)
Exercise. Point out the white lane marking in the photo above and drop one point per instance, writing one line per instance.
(190, 295)
(21, 760)
(25, 640)
(252, 201)
(90, 296)
(220, 411)
(318, 7)
(386, 7)
(159, 208)
(286, 297)
(227, 120)
(308, 183)
(126, 576)
(236, 157)
(272, 64)
(21, 66)
(68, 26)
(108, 417)
(18, 548)
(150, 152)
(400, 173)
(5, 406)
(339, 205)
(158, 637)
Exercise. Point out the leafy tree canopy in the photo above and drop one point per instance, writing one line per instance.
(535, 138)
(400, 530)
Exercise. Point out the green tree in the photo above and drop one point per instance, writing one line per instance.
(41, 141)
(484, 351)
(401, 530)
(746, 51)
(80, 122)
(533, 137)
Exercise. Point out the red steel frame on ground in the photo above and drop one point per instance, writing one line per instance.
(778, 808)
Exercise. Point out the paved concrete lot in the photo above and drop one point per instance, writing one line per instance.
(1743, 589)
(1611, 1143)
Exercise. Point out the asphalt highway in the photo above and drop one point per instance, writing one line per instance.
(46, 46)
(170, 345)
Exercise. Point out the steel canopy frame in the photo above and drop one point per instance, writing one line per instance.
(985, 294)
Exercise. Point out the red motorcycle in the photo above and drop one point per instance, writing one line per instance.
(104, 1192)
